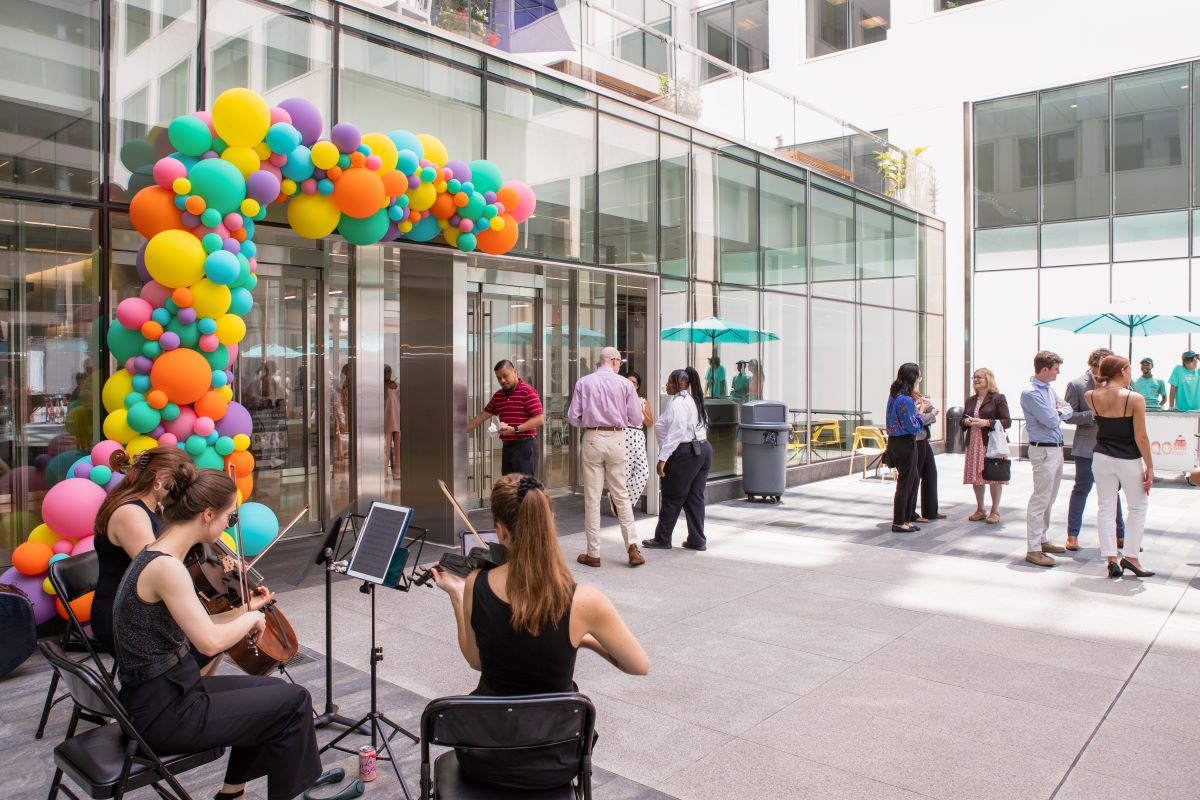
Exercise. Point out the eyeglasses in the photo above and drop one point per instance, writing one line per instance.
(976, 377)
(231, 520)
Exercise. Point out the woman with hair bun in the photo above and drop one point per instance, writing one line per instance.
(521, 624)
(684, 459)
(266, 722)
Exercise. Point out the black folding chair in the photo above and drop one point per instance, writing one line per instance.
(113, 759)
(551, 729)
(72, 578)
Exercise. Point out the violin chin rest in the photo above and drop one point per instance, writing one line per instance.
(355, 789)
(335, 775)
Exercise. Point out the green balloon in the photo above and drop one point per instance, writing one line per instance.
(224, 445)
(170, 411)
(364, 231)
(189, 135)
(123, 343)
(219, 358)
(189, 335)
(219, 183)
(137, 153)
(210, 459)
(474, 207)
(133, 398)
(142, 418)
(100, 475)
(195, 445)
(485, 176)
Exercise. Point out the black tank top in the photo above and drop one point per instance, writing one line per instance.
(514, 662)
(149, 634)
(113, 561)
(1114, 436)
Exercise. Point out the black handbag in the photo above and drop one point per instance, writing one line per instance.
(997, 469)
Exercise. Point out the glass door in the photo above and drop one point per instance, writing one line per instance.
(503, 322)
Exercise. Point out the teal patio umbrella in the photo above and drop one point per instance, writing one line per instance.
(715, 330)
(522, 333)
(1129, 318)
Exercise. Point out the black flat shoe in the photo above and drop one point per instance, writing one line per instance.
(655, 544)
(335, 775)
(1114, 569)
(903, 529)
(1141, 573)
(697, 547)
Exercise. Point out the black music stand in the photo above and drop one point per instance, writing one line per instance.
(379, 559)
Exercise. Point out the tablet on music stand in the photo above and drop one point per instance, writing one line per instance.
(379, 547)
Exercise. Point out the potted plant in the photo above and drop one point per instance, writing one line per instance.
(892, 166)
(680, 95)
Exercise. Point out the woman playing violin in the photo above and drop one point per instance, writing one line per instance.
(266, 722)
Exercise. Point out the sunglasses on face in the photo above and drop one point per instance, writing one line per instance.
(231, 520)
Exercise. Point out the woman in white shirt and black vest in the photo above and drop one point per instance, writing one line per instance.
(684, 458)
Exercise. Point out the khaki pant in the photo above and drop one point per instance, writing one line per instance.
(1047, 475)
(604, 459)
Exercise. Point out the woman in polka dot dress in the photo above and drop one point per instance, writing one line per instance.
(637, 472)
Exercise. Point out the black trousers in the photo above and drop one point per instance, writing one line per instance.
(683, 490)
(266, 722)
(520, 456)
(927, 478)
(903, 451)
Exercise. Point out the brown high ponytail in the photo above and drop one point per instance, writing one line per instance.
(539, 583)
(194, 491)
(140, 477)
(1111, 367)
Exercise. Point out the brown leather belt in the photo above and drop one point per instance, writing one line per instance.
(603, 428)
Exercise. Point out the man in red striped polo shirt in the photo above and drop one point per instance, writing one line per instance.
(519, 408)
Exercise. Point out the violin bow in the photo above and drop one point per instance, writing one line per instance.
(278, 536)
(243, 578)
(461, 514)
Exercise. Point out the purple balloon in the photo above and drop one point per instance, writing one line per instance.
(169, 340)
(186, 315)
(236, 420)
(345, 137)
(319, 174)
(116, 478)
(232, 245)
(306, 118)
(142, 365)
(454, 220)
(263, 186)
(189, 219)
(461, 171)
(489, 197)
(157, 432)
(31, 585)
(393, 233)
(142, 271)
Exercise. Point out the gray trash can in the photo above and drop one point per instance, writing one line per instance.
(763, 433)
(954, 430)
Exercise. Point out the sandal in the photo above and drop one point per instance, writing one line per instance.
(978, 516)
(993, 518)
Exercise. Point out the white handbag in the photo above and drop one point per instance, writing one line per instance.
(997, 446)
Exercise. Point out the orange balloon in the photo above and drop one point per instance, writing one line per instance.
(239, 235)
(153, 210)
(443, 207)
(359, 193)
(333, 173)
(394, 184)
(212, 405)
(183, 374)
(242, 463)
(499, 242)
(183, 297)
(245, 486)
(82, 606)
(357, 159)
(157, 398)
(461, 199)
(509, 197)
(195, 205)
(152, 330)
(32, 558)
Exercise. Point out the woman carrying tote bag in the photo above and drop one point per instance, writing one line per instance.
(983, 410)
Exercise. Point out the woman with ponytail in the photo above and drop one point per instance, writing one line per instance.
(521, 624)
(684, 459)
(266, 722)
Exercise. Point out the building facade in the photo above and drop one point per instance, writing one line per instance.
(646, 219)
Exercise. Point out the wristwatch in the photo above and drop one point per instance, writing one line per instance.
(1187, 477)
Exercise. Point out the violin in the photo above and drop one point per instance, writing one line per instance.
(225, 581)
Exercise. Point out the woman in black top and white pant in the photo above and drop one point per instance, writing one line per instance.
(1121, 459)
(684, 459)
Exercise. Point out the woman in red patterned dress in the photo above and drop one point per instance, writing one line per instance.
(982, 410)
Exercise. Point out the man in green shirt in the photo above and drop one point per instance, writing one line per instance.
(741, 384)
(714, 379)
(1185, 384)
(1150, 387)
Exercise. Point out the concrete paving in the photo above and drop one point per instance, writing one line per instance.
(812, 653)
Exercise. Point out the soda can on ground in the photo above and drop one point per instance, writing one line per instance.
(366, 762)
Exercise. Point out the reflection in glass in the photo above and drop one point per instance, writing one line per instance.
(783, 226)
(737, 33)
(832, 245)
(1081, 242)
(785, 361)
(1075, 152)
(879, 359)
(906, 247)
(933, 273)
(835, 25)
(674, 226)
(834, 399)
(1006, 248)
(875, 256)
(726, 218)
(1002, 302)
(1006, 156)
(340, 381)
(552, 143)
(1150, 119)
(870, 20)
(628, 187)
(1150, 236)
(673, 310)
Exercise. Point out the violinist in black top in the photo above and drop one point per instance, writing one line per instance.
(521, 623)
(266, 722)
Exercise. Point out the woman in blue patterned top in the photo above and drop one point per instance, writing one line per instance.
(903, 424)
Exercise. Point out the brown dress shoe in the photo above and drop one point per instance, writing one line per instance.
(1051, 547)
(1040, 559)
(1072, 543)
(636, 559)
(1120, 542)
(588, 561)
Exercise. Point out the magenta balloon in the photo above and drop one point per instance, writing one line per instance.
(305, 117)
(527, 204)
(85, 545)
(70, 507)
(263, 186)
(236, 420)
(181, 426)
(155, 293)
(31, 585)
(102, 451)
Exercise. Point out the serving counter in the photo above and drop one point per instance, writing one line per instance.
(1173, 439)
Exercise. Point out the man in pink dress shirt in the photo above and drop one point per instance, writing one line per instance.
(604, 404)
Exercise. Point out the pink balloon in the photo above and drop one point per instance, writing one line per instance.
(166, 170)
(267, 166)
(102, 451)
(233, 348)
(527, 204)
(64, 545)
(207, 117)
(167, 440)
(70, 507)
(280, 115)
(204, 426)
(133, 312)
(181, 426)
(155, 294)
(209, 343)
(84, 545)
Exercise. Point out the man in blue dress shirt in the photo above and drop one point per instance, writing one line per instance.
(1045, 412)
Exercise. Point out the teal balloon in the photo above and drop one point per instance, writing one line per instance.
(224, 445)
(189, 335)
(454, 186)
(219, 145)
(172, 308)
(424, 230)
(170, 411)
(212, 438)
(219, 358)
(137, 153)
(161, 315)
(210, 218)
(251, 281)
(101, 475)
(404, 140)
(142, 418)
(429, 175)
(486, 176)
(474, 207)
(123, 343)
(240, 302)
(152, 350)
(466, 242)
(219, 379)
(190, 135)
(366, 231)
(59, 467)
(283, 137)
(195, 445)
(207, 325)
(208, 458)
(299, 164)
(219, 183)
(407, 162)
(141, 383)
(222, 267)
(260, 526)
(133, 398)
(212, 242)
(187, 161)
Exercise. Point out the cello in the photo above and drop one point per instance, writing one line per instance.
(225, 581)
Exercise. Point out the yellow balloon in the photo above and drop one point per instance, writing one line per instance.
(288, 186)
(241, 442)
(139, 444)
(435, 151)
(231, 329)
(250, 207)
(422, 197)
(119, 384)
(263, 150)
(226, 391)
(383, 147)
(241, 117)
(313, 216)
(497, 223)
(229, 540)
(48, 587)
(175, 258)
(43, 534)
(210, 299)
(325, 155)
(451, 236)
(244, 158)
(116, 427)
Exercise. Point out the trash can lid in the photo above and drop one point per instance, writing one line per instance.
(761, 411)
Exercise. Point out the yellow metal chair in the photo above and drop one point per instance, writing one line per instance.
(870, 441)
(825, 433)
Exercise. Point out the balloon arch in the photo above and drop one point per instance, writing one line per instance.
(177, 341)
